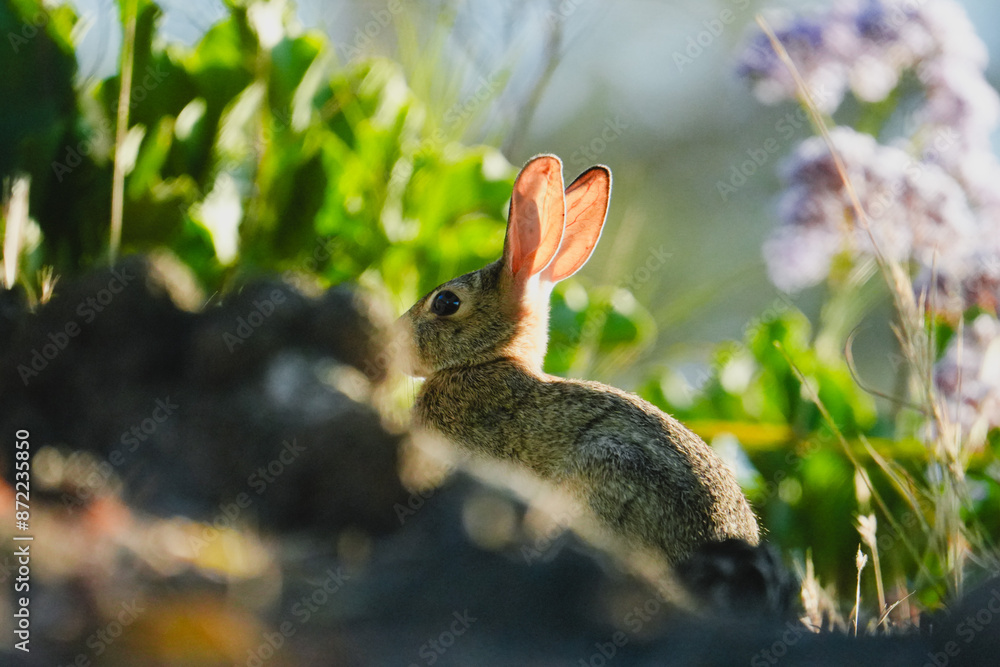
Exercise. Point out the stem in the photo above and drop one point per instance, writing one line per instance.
(16, 214)
(121, 131)
(879, 587)
(860, 561)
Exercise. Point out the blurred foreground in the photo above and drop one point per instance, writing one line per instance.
(216, 488)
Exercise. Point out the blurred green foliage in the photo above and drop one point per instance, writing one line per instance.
(246, 157)
(809, 468)
(247, 153)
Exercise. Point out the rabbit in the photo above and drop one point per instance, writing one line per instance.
(480, 339)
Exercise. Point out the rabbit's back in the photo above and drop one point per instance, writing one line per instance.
(646, 475)
(642, 473)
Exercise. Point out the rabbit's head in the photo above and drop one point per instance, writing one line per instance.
(502, 310)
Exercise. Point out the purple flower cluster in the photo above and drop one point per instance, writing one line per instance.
(915, 211)
(931, 193)
(865, 46)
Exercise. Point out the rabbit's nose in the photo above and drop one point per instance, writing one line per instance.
(402, 351)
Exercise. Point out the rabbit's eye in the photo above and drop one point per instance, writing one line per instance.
(445, 303)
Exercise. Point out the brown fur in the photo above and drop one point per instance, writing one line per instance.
(644, 475)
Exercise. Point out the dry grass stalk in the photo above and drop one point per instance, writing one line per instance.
(859, 561)
(948, 534)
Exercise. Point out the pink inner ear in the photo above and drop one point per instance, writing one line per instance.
(586, 209)
(537, 212)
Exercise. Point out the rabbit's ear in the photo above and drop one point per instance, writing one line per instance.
(536, 218)
(586, 209)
